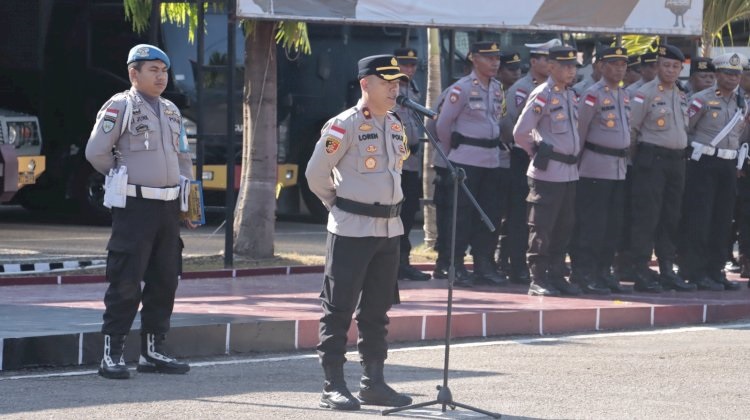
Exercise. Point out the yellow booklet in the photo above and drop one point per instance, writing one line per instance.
(196, 211)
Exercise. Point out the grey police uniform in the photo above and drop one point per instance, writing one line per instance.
(659, 131)
(470, 119)
(546, 130)
(364, 196)
(633, 88)
(711, 185)
(604, 129)
(583, 85)
(518, 230)
(410, 181)
(145, 242)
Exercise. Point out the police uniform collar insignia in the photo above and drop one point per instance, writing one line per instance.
(475, 82)
(556, 88)
(718, 92)
(366, 113)
(661, 87)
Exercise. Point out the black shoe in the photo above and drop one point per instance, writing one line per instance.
(338, 397)
(409, 272)
(566, 288)
(607, 279)
(112, 365)
(374, 391)
(671, 281)
(588, 284)
(463, 278)
(440, 272)
(485, 273)
(541, 289)
(706, 283)
(645, 280)
(154, 360)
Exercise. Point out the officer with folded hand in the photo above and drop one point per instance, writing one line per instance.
(144, 132)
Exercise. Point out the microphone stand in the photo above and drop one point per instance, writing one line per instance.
(458, 175)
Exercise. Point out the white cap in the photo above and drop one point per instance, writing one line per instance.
(543, 48)
(730, 61)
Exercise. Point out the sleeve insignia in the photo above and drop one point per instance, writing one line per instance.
(332, 145)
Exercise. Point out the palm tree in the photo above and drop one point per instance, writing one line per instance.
(433, 91)
(717, 16)
(256, 205)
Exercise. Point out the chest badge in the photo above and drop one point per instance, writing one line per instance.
(396, 127)
(606, 101)
(661, 122)
(371, 162)
(610, 124)
(365, 127)
(715, 114)
(555, 101)
(371, 148)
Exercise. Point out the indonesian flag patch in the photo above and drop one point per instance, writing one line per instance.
(590, 100)
(337, 131)
(695, 106)
(521, 96)
(639, 98)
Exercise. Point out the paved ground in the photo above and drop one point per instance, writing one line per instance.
(676, 374)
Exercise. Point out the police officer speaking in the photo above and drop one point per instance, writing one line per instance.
(547, 131)
(470, 120)
(140, 131)
(717, 120)
(355, 169)
(659, 132)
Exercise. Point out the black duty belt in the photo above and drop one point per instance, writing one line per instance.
(663, 151)
(604, 150)
(458, 139)
(560, 157)
(372, 210)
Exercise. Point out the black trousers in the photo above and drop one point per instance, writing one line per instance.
(708, 208)
(484, 184)
(145, 246)
(443, 200)
(501, 230)
(657, 187)
(551, 218)
(360, 276)
(412, 188)
(518, 228)
(599, 218)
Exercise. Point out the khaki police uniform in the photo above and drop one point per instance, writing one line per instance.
(711, 183)
(355, 169)
(145, 242)
(547, 131)
(604, 129)
(518, 231)
(659, 131)
(470, 119)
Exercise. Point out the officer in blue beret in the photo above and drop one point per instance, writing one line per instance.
(152, 160)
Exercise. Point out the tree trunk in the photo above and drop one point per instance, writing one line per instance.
(433, 91)
(254, 220)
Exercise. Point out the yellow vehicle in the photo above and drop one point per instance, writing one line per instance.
(21, 162)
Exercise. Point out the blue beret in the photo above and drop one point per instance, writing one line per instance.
(146, 52)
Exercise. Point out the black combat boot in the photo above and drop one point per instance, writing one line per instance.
(486, 273)
(556, 277)
(588, 283)
(113, 364)
(606, 278)
(336, 395)
(154, 360)
(645, 279)
(374, 391)
(540, 286)
(672, 281)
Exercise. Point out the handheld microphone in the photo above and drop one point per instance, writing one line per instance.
(408, 103)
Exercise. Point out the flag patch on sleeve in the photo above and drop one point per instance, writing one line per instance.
(590, 100)
(639, 98)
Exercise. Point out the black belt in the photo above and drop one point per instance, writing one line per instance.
(459, 139)
(663, 151)
(372, 210)
(607, 150)
(560, 157)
